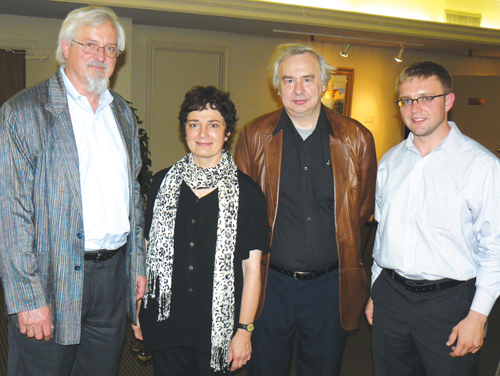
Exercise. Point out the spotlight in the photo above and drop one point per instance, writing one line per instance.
(399, 58)
(343, 53)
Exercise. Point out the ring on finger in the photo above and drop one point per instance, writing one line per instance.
(30, 331)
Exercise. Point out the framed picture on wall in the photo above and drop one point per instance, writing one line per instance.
(338, 94)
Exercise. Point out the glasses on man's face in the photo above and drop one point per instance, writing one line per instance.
(423, 101)
(92, 48)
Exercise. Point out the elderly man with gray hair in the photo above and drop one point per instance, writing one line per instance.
(71, 243)
(317, 170)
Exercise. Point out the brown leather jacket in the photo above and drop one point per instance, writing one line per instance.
(354, 164)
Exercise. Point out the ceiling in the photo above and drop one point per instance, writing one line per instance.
(278, 20)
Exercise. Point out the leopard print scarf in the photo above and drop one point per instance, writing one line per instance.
(160, 252)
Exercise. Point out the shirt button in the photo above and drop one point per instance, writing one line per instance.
(308, 218)
(190, 267)
(79, 235)
(305, 168)
(193, 220)
(191, 244)
(78, 268)
(190, 290)
(310, 244)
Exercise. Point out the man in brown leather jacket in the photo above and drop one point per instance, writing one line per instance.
(317, 170)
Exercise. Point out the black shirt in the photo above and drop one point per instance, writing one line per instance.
(304, 234)
(195, 237)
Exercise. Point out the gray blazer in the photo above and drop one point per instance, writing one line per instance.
(41, 217)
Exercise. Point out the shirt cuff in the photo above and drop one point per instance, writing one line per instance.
(483, 302)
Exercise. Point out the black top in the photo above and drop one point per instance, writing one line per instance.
(304, 234)
(195, 236)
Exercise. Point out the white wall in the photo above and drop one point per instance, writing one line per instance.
(247, 75)
(247, 78)
(480, 122)
(375, 73)
(246, 70)
(17, 32)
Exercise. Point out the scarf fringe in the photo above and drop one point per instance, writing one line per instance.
(218, 359)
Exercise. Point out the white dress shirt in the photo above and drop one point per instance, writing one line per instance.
(103, 166)
(439, 215)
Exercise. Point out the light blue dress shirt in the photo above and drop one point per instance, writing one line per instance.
(103, 167)
(439, 215)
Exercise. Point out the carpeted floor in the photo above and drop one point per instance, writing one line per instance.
(357, 357)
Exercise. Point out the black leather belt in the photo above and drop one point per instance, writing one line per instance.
(101, 254)
(422, 286)
(306, 275)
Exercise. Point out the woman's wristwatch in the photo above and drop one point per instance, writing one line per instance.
(248, 327)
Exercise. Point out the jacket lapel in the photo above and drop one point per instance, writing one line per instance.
(339, 153)
(273, 151)
(64, 136)
(340, 158)
(273, 147)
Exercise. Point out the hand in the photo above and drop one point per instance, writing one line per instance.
(137, 331)
(468, 334)
(36, 323)
(141, 287)
(240, 349)
(369, 311)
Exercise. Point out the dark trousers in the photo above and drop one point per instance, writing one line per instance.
(102, 330)
(307, 311)
(183, 361)
(410, 330)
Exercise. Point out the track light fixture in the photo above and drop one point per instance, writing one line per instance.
(343, 53)
(399, 58)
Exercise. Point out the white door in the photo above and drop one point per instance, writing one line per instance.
(173, 70)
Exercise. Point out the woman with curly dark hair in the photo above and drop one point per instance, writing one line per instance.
(207, 227)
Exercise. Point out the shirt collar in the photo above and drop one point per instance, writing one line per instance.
(452, 141)
(450, 144)
(285, 121)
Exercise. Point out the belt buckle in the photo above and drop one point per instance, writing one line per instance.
(97, 256)
(302, 275)
(298, 275)
(412, 284)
